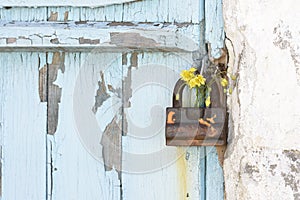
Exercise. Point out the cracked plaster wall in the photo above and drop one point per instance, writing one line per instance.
(262, 160)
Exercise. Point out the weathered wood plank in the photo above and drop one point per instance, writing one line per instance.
(214, 175)
(78, 169)
(139, 11)
(33, 3)
(151, 169)
(22, 127)
(103, 36)
(214, 27)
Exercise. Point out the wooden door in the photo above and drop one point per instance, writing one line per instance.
(83, 96)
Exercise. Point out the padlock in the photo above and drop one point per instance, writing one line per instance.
(194, 126)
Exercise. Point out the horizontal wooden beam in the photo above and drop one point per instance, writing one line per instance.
(100, 36)
(34, 3)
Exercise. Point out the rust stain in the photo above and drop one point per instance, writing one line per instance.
(66, 16)
(11, 40)
(134, 40)
(170, 118)
(101, 95)
(83, 40)
(53, 16)
(181, 172)
(111, 142)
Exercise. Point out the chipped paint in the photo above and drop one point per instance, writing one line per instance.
(122, 24)
(71, 36)
(66, 16)
(53, 16)
(127, 90)
(124, 58)
(64, 34)
(87, 3)
(111, 142)
(50, 92)
(134, 40)
(142, 11)
(116, 91)
(11, 40)
(54, 91)
(54, 41)
(83, 40)
(43, 83)
(214, 27)
(127, 93)
(101, 95)
(134, 59)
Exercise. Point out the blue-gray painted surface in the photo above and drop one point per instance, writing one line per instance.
(214, 26)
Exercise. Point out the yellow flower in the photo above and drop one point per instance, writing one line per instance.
(224, 82)
(233, 77)
(197, 81)
(192, 83)
(207, 101)
(200, 80)
(230, 90)
(187, 75)
(192, 69)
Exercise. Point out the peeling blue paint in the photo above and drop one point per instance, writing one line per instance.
(214, 27)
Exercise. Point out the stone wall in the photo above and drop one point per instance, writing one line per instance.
(263, 155)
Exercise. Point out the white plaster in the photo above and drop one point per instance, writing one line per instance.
(264, 107)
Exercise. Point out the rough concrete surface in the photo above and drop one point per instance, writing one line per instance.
(263, 155)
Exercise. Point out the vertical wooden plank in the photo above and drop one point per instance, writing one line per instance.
(214, 27)
(77, 169)
(214, 36)
(163, 16)
(23, 127)
(202, 169)
(214, 175)
(152, 170)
